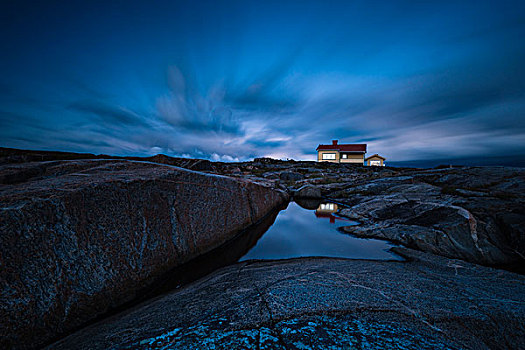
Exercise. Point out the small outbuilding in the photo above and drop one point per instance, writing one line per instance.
(375, 160)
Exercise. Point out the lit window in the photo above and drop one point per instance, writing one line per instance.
(345, 156)
(327, 206)
(328, 156)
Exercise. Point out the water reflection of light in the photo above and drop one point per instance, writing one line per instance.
(296, 233)
(326, 210)
(331, 207)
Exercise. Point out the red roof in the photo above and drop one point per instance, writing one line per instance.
(360, 148)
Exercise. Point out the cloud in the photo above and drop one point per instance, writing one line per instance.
(441, 113)
(268, 91)
(111, 115)
(411, 82)
(186, 109)
(437, 114)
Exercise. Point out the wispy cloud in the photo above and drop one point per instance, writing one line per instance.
(412, 82)
(108, 114)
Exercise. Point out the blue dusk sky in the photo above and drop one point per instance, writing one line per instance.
(233, 80)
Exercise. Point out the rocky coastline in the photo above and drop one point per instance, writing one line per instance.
(82, 235)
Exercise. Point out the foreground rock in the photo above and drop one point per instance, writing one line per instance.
(428, 302)
(80, 237)
(475, 214)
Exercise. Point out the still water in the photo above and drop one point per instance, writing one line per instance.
(299, 232)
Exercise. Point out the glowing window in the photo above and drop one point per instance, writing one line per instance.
(328, 156)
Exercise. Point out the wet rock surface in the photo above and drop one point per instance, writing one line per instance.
(429, 302)
(81, 237)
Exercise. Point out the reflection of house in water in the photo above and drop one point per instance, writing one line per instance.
(326, 210)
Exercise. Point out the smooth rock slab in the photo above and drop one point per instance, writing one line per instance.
(428, 302)
(80, 237)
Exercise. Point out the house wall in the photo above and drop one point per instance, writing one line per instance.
(375, 158)
(320, 156)
(354, 158)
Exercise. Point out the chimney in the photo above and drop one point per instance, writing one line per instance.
(334, 142)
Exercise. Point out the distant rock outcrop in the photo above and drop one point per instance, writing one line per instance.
(80, 237)
(13, 155)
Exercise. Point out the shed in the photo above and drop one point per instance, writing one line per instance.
(375, 160)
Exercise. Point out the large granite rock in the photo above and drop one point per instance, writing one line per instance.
(80, 237)
(427, 302)
(475, 214)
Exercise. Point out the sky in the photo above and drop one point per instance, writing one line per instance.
(234, 80)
